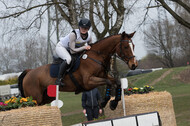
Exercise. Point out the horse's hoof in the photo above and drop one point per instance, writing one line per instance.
(113, 104)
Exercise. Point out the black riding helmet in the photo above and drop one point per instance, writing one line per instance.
(85, 23)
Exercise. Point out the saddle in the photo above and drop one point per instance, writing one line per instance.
(75, 62)
(54, 67)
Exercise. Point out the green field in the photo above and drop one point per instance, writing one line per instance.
(162, 80)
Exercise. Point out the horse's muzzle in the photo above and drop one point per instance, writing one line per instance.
(133, 67)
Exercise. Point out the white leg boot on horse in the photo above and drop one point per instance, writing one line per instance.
(61, 75)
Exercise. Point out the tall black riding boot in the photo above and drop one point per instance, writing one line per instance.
(61, 75)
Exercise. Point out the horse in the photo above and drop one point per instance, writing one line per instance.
(91, 73)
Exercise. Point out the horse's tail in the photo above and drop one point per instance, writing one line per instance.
(20, 80)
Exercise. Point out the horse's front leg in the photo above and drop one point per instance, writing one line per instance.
(113, 103)
(107, 96)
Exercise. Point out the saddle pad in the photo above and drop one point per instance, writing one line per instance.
(54, 70)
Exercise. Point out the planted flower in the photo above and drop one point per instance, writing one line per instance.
(135, 90)
(141, 90)
(2, 104)
(148, 88)
(23, 100)
(19, 102)
(130, 89)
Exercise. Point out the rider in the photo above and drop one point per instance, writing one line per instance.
(74, 42)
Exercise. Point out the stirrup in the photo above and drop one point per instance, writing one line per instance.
(59, 82)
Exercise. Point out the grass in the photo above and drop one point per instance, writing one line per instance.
(13, 80)
(180, 92)
(73, 119)
(72, 108)
(71, 102)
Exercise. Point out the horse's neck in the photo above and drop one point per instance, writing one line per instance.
(108, 45)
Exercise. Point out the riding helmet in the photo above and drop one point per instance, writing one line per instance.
(85, 23)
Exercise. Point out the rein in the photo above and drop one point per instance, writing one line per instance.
(97, 61)
(123, 56)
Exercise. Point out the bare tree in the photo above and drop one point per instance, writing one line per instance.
(185, 4)
(169, 40)
(183, 39)
(23, 55)
(150, 61)
(161, 41)
(5, 66)
(33, 53)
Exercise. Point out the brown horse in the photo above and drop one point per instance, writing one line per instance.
(91, 73)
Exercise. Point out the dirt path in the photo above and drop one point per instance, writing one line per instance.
(71, 113)
(161, 77)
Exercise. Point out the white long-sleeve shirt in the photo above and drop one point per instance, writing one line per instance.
(74, 42)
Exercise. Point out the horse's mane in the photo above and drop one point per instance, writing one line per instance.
(103, 39)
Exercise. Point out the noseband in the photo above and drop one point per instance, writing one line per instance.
(123, 56)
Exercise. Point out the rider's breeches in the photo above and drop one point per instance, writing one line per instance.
(63, 53)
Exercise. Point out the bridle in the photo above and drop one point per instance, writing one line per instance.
(123, 56)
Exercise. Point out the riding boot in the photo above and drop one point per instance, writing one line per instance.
(61, 75)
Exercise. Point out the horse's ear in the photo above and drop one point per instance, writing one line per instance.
(131, 35)
(123, 35)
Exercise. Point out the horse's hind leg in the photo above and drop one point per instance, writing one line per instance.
(36, 95)
(46, 99)
(31, 88)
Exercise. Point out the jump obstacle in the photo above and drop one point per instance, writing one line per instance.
(145, 119)
(31, 116)
(145, 103)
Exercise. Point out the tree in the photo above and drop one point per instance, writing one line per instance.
(184, 4)
(160, 42)
(169, 40)
(23, 55)
(150, 61)
(183, 39)
(6, 63)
